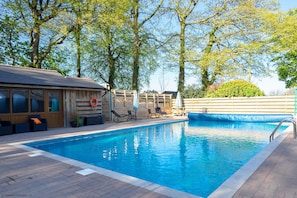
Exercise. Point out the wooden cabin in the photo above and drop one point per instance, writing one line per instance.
(59, 99)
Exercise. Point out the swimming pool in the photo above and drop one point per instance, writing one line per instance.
(194, 157)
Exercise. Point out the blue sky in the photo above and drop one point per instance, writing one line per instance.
(287, 4)
(268, 85)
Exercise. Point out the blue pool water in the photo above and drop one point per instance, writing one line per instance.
(194, 157)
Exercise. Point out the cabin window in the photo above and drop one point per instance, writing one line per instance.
(4, 101)
(19, 101)
(54, 101)
(37, 100)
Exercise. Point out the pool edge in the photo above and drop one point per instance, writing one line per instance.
(163, 190)
(170, 192)
(225, 190)
(234, 183)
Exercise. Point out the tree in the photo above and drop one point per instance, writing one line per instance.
(287, 68)
(220, 38)
(12, 50)
(183, 11)
(86, 15)
(37, 18)
(232, 41)
(113, 39)
(283, 42)
(78, 8)
(282, 30)
(108, 46)
(109, 58)
(137, 26)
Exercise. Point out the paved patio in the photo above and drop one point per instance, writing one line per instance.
(24, 173)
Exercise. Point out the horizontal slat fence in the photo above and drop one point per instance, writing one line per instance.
(78, 104)
(247, 105)
(122, 101)
(84, 109)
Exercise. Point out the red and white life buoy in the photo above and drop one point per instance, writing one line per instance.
(93, 102)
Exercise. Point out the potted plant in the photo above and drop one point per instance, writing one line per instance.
(77, 121)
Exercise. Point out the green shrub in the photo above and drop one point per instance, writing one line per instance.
(192, 91)
(235, 88)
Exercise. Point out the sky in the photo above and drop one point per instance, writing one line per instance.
(269, 85)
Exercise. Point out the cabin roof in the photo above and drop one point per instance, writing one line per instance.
(43, 77)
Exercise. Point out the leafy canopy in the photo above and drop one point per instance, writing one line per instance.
(284, 40)
(287, 68)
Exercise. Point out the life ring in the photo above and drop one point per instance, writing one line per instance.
(93, 102)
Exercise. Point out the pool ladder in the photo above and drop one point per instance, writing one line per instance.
(292, 120)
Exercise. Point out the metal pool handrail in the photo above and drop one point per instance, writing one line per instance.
(292, 120)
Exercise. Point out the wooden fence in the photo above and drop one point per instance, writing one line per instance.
(77, 104)
(247, 105)
(122, 101)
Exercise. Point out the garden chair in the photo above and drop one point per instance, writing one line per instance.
(37, 123)
(132, 116)
(5, 128)
(151, 114)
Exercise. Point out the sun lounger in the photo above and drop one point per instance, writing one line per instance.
(151, 114)
(132, 116)
(160, 112)
(120, 117)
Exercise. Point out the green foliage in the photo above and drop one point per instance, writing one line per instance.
(235, 88)
(110, 56)
(13, 51)
(192, 91)
(283, 42)
(282, 30)
(284, 38)
(117, 39)
(79, 121)
(151, 92)
(287, 68)
(231, 45)
(55, 60)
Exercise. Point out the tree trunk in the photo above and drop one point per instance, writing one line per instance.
(135, 62)
(77, 34)
(35, 39)
(111, 62)
(204, 78)
(204, 68)
(181, 77)
(136, 47)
